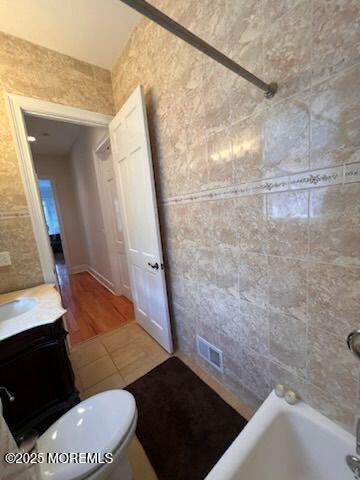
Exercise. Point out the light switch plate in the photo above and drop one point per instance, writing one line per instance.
(5, 259)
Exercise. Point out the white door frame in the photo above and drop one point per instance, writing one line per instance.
(18, 106)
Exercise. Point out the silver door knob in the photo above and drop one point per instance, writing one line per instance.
(353, 341)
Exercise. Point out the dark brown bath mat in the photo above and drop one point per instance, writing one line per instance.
(184, 426)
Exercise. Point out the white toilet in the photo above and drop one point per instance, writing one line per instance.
(104, 423)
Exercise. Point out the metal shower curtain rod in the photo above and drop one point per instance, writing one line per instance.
(169, 24)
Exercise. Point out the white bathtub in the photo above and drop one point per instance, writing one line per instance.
(283, 442)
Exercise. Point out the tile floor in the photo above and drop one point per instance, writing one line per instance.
(116, 359)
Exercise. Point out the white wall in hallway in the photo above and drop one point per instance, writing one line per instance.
(82, 164)
(59, 170)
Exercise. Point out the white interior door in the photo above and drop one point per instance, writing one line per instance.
(135, 180)
(113, 223)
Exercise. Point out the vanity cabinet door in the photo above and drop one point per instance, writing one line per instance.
(42, 381)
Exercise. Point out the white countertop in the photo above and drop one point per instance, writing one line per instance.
(47, 310)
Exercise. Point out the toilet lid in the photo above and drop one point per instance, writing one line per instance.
(96, 425)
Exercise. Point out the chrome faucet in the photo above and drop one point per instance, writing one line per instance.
(353, 461)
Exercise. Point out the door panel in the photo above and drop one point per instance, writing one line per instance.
(135, 181)
(112, 220)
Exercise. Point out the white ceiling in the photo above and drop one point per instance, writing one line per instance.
(61, 136)
(94, 31)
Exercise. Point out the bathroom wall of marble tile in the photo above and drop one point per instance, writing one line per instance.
(260, 199)
(36, 72)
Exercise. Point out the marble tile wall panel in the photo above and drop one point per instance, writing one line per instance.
(265, 192)
(33, 71)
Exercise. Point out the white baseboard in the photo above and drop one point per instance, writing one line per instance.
(101, 279)
(79, 269)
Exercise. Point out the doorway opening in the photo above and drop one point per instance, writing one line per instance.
(98, 254)
(78, 197)
(47, 194)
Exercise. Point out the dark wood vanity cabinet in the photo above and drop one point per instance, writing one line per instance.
(35, 368)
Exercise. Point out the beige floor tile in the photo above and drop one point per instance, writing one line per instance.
(141, 467)
(152, 348)
(96, 371)
(128, 354)
(87, 353)
(115, 381)
(121, 337)
(140, 367)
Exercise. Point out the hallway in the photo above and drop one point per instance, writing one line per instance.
(91, 308)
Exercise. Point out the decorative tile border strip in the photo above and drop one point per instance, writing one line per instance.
(352, 173)
(14, 214)
(279, 184)
(310, 179)
(317, 178)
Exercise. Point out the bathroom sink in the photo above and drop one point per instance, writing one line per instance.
(16, 308)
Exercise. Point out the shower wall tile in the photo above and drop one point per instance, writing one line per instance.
(336, 36)
(225, 222)
(274, 10)
(189, 251)
(199, 224)
(253, 273)
(254, 327)
(331, 368)
(255, 372)
(264, 240)
(208, 308)
(286, 137)
(215, 98)
(246, 101)
(288, 341)
(287, 49)
(335, 224)
(167, 186)
(331, 407)
(282, 374)
(226, 269)
(33, 71)
(334, 296)
(335, 113)
(288, 224)
(220, 164)
(251, 223)
(288, 287)
(175, 216)
(227, 308)
(233, 26)
(204, 259)
(195, 121)
(248, 325)
(247, 146)
(232, 380)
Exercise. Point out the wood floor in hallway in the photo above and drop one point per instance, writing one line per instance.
(91, 308)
